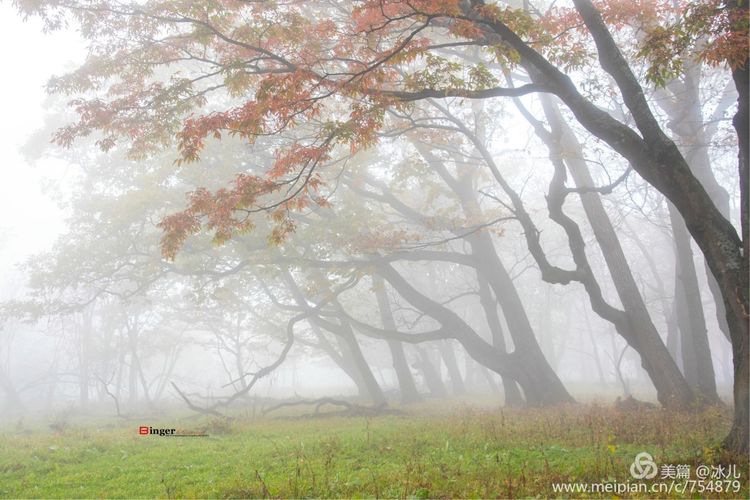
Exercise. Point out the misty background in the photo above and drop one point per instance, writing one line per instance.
(96, 319)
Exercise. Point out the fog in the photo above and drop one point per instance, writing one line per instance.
(490, 251)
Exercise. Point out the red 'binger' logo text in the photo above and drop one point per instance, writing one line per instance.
(144, 430)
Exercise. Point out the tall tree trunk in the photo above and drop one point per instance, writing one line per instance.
(136, 360)
(432, 378)
(12, 399)
(132, 381)
(454, 373)
(513, 397)
(682, 102)
(686, 122)
(537, 374)
(407, 387)
(669, 313)
(594, 348)
(374, 391)
(696, 353)
(83, 356)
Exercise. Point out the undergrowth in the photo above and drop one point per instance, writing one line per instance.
(462, 453)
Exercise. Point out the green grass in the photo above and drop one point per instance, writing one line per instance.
(464, 452)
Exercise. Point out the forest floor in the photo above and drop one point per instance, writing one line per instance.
(430, 451)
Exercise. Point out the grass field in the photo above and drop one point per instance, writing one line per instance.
(426, 452)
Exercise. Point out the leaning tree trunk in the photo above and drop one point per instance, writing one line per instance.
(672, 388)
(353, 362)
(344, 361)
(658, 160)
(358, 359)
(341, 359)
(520, 365)
(535, 370)
(540, 384)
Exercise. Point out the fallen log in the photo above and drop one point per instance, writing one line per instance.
(350, 409)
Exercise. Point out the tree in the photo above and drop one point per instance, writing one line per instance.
(258, 64)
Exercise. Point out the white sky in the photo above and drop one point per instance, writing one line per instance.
(29, 220)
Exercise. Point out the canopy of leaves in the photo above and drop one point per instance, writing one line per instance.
(324, 78)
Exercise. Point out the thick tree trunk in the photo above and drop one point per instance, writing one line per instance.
(341, 359)
(350, 360)
(736, 301)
